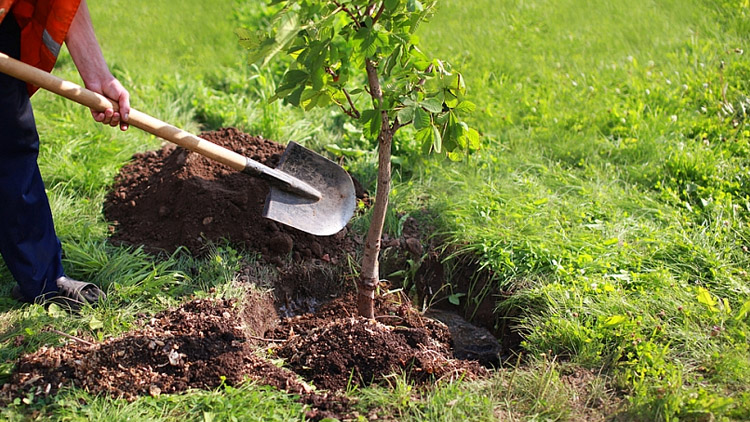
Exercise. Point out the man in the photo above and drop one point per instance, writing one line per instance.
(33, 31)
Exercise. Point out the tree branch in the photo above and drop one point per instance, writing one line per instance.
(348, 12)
(353, 112)
(66, 335)
(397, 125)
(351, 104)
(380, 12)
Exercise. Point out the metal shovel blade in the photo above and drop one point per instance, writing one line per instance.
(322, 217)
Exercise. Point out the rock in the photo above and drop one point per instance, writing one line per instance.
(469, 341)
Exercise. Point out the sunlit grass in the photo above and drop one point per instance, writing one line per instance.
(612, 198)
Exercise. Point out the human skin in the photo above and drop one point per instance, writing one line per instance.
(87, 56)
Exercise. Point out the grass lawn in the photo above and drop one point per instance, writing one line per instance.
(609, 204)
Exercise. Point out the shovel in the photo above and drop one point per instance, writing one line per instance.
(308, 191)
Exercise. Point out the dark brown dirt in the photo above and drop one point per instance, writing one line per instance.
(172, 197)
(192, 346)
(333, 348)
(205, 343)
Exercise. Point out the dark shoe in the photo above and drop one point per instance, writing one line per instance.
(79, 291)
(70, 293)
(16, 294)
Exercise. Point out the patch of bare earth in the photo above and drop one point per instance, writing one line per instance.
(205, 343)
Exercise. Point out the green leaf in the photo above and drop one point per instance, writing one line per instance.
(294, 77)
(455, 156)
(405, 115)
(704, 297)
(414, 6)
(409, 102)
(366, 41)
(391, 5)
(433, 105)
(744, 310)
(425, 138)
(263, 47)
(450, 99)
(375, 124)
(95, 323)
(451, 142)
(474, 142)
(455, 298)
(55, 311)
(611, 241)
(372, 120)
(437, 139)
(247, 38)
(366, 116)
(615, 320)
(316, 100)
(465, 107)
(308, 94)
(294, 97)
(393, 59)
(421, 119)
(324, 99)
(318, 78)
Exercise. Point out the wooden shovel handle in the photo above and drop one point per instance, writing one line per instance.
(98, 102)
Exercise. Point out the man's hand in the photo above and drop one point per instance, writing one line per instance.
(87, 55)
(113, 90)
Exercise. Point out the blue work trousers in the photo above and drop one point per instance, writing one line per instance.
(28, 242)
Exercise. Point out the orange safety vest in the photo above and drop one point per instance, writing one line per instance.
(44, 25)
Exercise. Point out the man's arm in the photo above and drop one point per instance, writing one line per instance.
(88, 58)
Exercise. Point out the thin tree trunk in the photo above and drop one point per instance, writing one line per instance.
(370, 275)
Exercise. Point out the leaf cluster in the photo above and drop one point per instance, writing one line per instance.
(331, 44)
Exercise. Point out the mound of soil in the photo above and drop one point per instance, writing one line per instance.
(193, 346)
(174, 197)
(334, 349)
(205, 343)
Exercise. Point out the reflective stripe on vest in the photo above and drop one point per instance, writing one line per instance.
(52, 45)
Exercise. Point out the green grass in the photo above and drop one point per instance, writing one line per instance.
(615, 183)
(611, 198)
